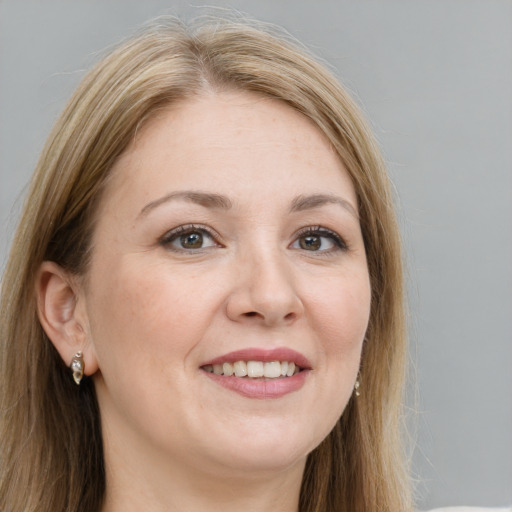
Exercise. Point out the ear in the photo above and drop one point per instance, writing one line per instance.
(63, 315)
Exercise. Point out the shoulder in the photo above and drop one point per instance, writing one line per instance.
(471, 509)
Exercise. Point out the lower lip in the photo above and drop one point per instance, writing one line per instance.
(261, 389)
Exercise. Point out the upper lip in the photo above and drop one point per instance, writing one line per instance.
(261, 354)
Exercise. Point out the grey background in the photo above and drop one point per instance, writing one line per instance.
(435, 78)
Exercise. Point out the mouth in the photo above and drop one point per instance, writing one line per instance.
(259, 373)
(254, 369)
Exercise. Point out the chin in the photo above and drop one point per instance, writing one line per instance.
(257, 461)
(265, 447)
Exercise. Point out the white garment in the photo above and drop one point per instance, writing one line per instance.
(471, 509)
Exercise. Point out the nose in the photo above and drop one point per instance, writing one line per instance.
(265, 291)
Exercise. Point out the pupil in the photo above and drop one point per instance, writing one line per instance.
(192, 240)
(311, 242)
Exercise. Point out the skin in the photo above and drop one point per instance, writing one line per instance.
(150, 312)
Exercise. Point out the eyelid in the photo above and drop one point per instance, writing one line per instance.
(170, 236)
(322, 231)
(167, 238)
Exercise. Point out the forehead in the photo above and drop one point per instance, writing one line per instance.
(234, 139)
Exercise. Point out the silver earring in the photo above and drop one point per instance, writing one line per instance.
(357, 385)
(77, 367)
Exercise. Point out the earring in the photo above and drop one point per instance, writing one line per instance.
(357, 385)
(77, 367)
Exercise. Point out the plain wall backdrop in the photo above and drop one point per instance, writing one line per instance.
(435, 79)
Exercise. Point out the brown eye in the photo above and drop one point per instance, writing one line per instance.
(310, 243)
(188, 238)
(319, 239)
(191, 240)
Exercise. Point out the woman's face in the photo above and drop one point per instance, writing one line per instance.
(227, 241)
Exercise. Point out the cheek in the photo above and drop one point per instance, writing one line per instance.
(144, 324)
(144, 313)
(340, 318)
(342, 314)
(341, 322)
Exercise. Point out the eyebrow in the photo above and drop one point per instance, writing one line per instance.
(210, 200)
(202, 198)
(301, 203)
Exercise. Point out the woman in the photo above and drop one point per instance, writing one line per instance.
(203, 302)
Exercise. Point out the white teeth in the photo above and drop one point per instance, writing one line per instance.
(240, 369)
(227, 368)
(272, 369)
(254, 369)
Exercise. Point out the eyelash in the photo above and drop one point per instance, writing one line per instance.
(188, 229)
(319, 231)
(312, 231)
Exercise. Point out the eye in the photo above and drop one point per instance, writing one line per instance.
(318, 239)
(188, 238)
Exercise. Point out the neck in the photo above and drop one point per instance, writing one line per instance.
(189, 490)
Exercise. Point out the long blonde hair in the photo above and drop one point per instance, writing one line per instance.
(51, 445)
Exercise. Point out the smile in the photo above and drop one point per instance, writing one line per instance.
(259, 373)
(254, 369)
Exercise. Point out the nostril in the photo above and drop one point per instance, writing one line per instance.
(288, 317)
